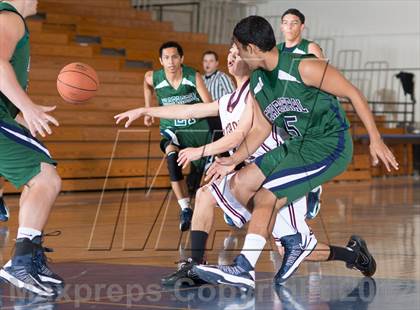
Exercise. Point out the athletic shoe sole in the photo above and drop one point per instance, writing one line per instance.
(47, 279)
(45, 291)
(216, 276)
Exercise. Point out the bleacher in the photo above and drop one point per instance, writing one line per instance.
(91, 150)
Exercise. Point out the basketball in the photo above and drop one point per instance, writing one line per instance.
(77, 83)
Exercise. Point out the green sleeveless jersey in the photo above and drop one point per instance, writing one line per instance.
(20, 62)
(186, 93)
(288, 103)
(301, 48)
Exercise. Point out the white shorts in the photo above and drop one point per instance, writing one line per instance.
(290, 219)
(228, 203)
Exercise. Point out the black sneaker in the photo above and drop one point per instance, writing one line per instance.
(21, 272)
(184, 274)
(45, 274)
(364, 262)
(240, 274)
(185, 217)
(296, 248)
(4, 211)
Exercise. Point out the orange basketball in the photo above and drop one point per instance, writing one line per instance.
(77, 83)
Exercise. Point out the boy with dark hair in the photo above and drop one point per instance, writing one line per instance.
(292, 25)
(299, 94)
(176, 83)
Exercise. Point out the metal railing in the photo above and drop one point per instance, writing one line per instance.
(384, 92)
(215, 18)
(193, 11)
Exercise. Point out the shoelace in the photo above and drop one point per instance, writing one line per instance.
(40, 258)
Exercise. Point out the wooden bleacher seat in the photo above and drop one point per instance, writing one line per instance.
(105, 63)
(114, 104)
(50, 38)
(139, 33)
(119, 77)
(113, 90)
(81, 9)
(122, 4)
(54, 18)
(63, 50)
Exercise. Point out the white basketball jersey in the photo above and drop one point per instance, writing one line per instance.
(231, 107)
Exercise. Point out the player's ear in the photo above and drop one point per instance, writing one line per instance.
(182, 59)
(252, 48)
(160, 60)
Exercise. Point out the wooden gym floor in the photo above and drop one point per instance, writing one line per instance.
(114, 248)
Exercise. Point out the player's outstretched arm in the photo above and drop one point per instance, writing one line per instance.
(36, 116)
(226, 143)
(148, 94)
(319, 74)
(181, 111)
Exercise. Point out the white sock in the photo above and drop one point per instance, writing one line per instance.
(184, 203)
(284, 224)
(26, 232)
(253, 246)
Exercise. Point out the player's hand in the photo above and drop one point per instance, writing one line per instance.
(149, 120)
(227, 161)
(188, 155)
(132, 115)
(379, 150)
(37, 119)
(217, 171)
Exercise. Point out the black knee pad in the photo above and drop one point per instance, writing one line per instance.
(175, 171)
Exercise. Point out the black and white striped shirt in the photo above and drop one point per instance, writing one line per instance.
(218, 84)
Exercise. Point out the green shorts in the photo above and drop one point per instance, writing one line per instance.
(299, 165)
(21, 154)
(195, 135)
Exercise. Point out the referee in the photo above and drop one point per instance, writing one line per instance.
(218, 84)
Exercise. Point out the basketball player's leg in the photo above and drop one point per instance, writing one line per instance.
(178, 183)
(38, 197)
(202, 222)
(195, 135)
(290, 172)
(25, 161)
(175, 172)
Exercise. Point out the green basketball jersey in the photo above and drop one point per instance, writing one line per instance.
(301, 48)
(20, 62)
(287, 102)
(185, 94)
